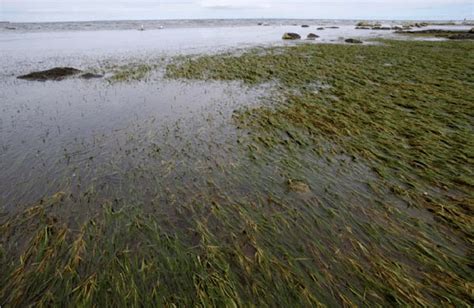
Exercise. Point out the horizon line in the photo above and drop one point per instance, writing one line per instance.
(242, 18)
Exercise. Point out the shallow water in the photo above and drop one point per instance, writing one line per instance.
(57, 134)
(58, 44)
(174, 149)
(74, 130)
(25, 51)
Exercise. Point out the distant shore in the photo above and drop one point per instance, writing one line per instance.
(191, 23)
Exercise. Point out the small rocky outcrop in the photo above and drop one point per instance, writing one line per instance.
(320, 28)
(368, 24)
(416, 25)
(449, 34)
(304, 26)
(421, 24)
(332, 27)
(57, 73)
(291, 36)
(434, 31)
(362, 28)
(353, 41)
(462, 36)
(312, 36)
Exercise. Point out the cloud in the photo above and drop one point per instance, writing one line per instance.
(255, 4)
(49, 10)
(235, 4)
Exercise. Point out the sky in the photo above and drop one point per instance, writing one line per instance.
(86, 10)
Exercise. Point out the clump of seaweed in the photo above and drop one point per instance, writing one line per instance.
(131, 72)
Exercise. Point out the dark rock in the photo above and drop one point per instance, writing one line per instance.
(291, 36)
(10, 28)
(381, 28)
(320, 28)
(430, 31)
(417, 25)
(368, 24)
(57, 73)
(433, 31)
(260, 24)
(421, 24)
(362, 28)
(304, 26)
(91, 76)
(353, 41)
(450, 34)
(312, 36)
(397, 28)
(462, 36)
(332, 27)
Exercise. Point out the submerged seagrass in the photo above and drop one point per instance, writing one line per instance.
(405, 107)
(361, 171)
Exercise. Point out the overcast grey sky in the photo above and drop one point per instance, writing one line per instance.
(68, 10)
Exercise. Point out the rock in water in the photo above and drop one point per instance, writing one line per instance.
(57, 73)
(304, 26)
(291, 36)
(462, 36)
(368, 24)
(91, 76)
(320, 28)
(353, 41)
(312, 36)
